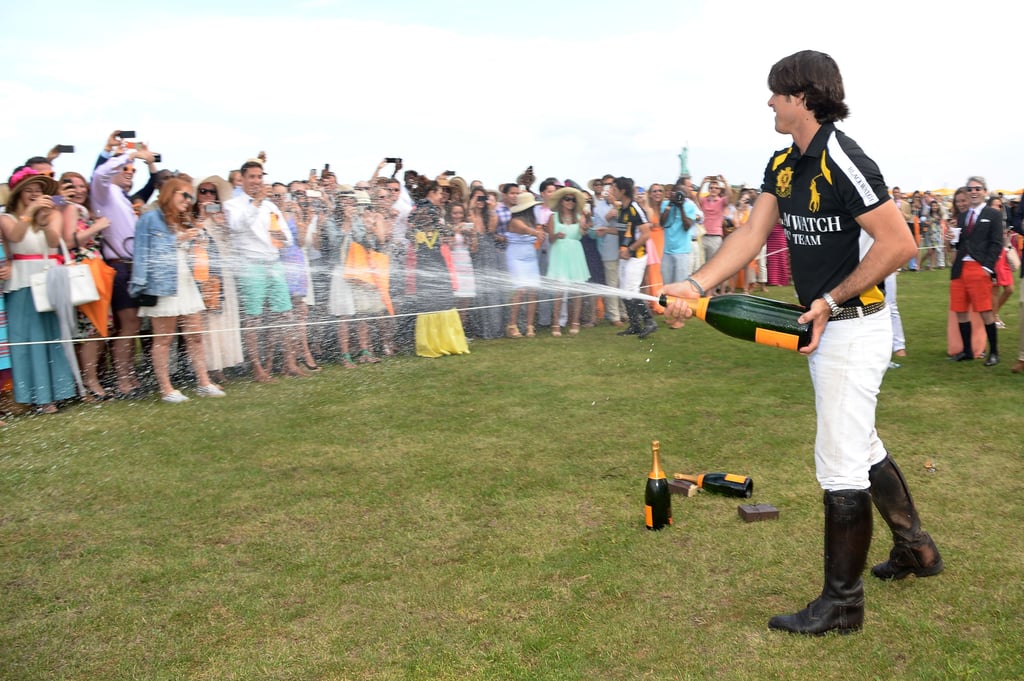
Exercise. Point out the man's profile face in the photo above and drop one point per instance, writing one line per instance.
(788, 110)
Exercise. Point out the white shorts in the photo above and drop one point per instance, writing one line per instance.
(847, 371)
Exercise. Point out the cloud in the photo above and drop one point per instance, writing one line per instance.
(476, 90)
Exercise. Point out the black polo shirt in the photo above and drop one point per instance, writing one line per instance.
(631, 217)
(820, 194)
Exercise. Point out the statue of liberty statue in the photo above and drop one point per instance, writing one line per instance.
(683, 167)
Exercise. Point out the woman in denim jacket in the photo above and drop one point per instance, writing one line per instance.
(161, 271)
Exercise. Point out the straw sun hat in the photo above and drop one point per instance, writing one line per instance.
(556, 198)
(524, 202)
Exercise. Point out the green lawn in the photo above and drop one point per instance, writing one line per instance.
(481, 517)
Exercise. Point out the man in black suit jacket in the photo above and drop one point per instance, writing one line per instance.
(980, 243)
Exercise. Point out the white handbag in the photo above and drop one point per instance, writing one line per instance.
(80, 281)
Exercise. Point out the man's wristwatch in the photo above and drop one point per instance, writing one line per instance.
(831, 304)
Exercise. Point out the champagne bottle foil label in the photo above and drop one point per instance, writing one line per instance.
(777, 339)
(732, 477)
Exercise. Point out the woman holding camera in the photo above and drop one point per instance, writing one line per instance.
(222, 342)
(488, 320)
(163, 281)
(32, 229)
(82, 233)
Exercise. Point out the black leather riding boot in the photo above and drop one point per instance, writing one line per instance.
(647, 323)
(634, 318)
(913, 549)
(840, 607)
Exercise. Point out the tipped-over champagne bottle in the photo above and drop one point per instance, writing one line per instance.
(729, 484)
(762, 320)
(657, 500)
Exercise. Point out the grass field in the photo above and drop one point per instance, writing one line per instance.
(480, 517)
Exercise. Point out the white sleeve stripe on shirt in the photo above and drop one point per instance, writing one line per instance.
(852, 172)
(640, 213)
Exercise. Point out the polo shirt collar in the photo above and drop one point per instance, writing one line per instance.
(818, 142)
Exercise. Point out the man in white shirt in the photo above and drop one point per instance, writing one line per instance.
(258, 232)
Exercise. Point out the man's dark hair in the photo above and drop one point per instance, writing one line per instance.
(815, 75)
(549, 182)
(37, 159)
(505, 187)
(250, 164)
(626, 186)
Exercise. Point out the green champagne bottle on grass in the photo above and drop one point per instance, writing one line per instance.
(657, 500)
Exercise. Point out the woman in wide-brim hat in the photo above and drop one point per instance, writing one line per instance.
(32, 228)
(566, 260)
(222, 342)
(521, 259)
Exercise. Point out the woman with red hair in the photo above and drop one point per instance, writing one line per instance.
(163, 281)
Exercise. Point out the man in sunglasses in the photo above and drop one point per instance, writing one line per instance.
(108, 192)
(974, 270)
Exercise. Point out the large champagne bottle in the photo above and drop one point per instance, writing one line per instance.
(729, 484)
(753, 318)
(657, 500)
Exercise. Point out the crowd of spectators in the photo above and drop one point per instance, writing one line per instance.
(220, 277)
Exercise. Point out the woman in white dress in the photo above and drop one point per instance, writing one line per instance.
(162, 279)
(222, 341)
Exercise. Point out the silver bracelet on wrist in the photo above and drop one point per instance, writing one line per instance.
(694, 284)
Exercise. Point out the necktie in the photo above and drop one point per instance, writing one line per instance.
(970, 220)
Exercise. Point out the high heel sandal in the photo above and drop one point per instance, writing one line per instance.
(556, 331)
(574, 329)
(366, 357)
(529, 331)
(513, 331)
(346, 361)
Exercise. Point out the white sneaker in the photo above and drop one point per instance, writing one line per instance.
(209, 391)
(174, 397)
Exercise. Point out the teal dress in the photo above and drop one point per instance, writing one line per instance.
(566, 259)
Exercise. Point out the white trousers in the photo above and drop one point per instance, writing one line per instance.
(631, 274)
(847, 371)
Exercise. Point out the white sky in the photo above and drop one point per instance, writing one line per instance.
(576, 89)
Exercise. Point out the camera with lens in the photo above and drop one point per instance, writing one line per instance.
(678, 198)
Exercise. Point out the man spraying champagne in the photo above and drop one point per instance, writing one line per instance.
(844, 236)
